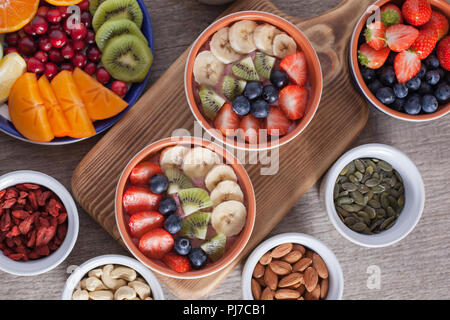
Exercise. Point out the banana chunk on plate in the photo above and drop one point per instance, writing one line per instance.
(229, 218)
(263, 36)
(207, 69)
(283, 45)
(221, 48)
(241, 36)
(199, 161)
(218, 174)
(173, 157)
(225, 191)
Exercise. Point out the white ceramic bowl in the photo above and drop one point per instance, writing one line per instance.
(78, 274)
(38, 266)
(336, 277)
(414, 194)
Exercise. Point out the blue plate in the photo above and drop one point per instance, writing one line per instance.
(132, 96)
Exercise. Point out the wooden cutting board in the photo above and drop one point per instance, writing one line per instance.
(341, 116)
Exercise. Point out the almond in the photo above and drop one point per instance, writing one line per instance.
(261, 281)
(281, 250)
(256, 289)
(267, 294)
(271, 279)
(302, 264)
(295, 286)
(299, 247)
(290, 280)
(311, 278)
(265, 259)
(309, 254)
(301, 289)
(313, 295)
(280, 268)
(287, 294)
(292, 257)
(320, 266)
(323, 288)
(258, 272)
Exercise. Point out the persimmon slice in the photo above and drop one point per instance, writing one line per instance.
(101, 103)
(14, 14)
(27, 110)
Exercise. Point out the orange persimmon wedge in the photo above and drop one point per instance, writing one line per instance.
(101, 103)
(56, 118)
(27, 110)
(72, 105)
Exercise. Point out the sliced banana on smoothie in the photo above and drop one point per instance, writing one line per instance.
(283, 45)
(241, 36)
(263, 37)
(225, 191)
(221, 48)
(199, 161)
(207, 68)
(229, 218)
(219, 173)
(173, 157)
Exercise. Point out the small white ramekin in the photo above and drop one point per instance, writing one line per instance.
(414, 194)
(78, 274)
(41, 265)
(336, 277)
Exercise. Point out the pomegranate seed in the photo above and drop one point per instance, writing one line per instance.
(86, 19)
(94, 54)
(35, 66)
(28, 29)
(11, 50)
(63, 11)
(66, 28)
(84, 5)
(120, 88)
(79, 60)
(55, 27)
(42, 11)
(103, 75)
(54, 16)
(51, 70)
(44, 43)
(78, 32)
(12, 39)
(78, 45)
(66, 66)
(90, 68)
(55, 56)
(90, 37)
(67, 51)
(58, 38)
(27, 46)
(41, 56)
(39, 25)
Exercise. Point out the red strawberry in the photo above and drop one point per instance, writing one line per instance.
(137, 199)
(293, 101)
(372, 58)
(277, 124)
(156, 243)
(142, 222)
(227, 121)
(250, 128)
(390, 15)
(177, 263)
(375, 35)
(443, 53)
(295, 66)
(425, 43)
(407, 64)
(416, 12)
(141, 174)
(439, 23)
(400, 37)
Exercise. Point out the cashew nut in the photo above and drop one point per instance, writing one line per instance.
(110, 282)
(94, 284)
(80, 295)
(140, 279)
(125, 273)
(142, 289)
(101, 295)
(125, 293)
(95, 273)
(83, 283)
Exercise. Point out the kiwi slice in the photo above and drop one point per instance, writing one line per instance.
(211, 101)
(215, 247)
(264, 64)
(194, 199)
(245, 69)
(177, 181)
(93, 5)
(196, 225)
(117, 9)
(231, 87)
(127, 58)
(115, 28)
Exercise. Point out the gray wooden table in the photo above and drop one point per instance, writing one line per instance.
(418, 267)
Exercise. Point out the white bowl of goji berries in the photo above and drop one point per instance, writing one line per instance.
(38, 223)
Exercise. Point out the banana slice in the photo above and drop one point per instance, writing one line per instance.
(229, 218)
(225, 191)
(221, 48)
(199, 161)
(283, 45)
(207, 69)
(173, 157)
(241, 36)
(263, 37)
(218, 174)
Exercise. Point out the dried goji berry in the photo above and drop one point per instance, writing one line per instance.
(61, 231)
(7, 204)
(13, 233)
(18, 241)
(62, 217)
(53, 207)
(20, 214)
(44, 235)
(43, 222)
(2, 193)
(31, 186)
(43, 250)
(25, 225)
(11, 193)
(32, 239)
(22, 202)
(53, 246)
(23, 194)
(10, 243)
(5, 222)
(16, 256)
(33, 200)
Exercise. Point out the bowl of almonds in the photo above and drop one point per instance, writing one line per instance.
(292, 266)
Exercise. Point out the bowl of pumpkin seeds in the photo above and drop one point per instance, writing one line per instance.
(374, 195)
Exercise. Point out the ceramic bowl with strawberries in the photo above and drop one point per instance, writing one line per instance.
(400, 58)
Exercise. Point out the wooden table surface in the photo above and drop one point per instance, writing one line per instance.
(418, 267)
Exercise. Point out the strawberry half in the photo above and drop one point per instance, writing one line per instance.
(177, 263)
(250, 128)
(375, 34)
(137, 199)
(390, 15)
(293, 100)
(142, 222)
(371, 58)
(141, 174)
(416, 12)
(439, 23)
(443, 53)
(400, 37)
(227, 121)
(407, 64)
(425, 43)
(156, 243)
(277, 124)
(296, 68)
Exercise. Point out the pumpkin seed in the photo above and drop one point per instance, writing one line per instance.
(370, 212)
(359, 226)
(336, 191)
(353, 179)
(386, 223)
(360, 165)
(358, 176)
(390, 212)
(384, 201)
(344, 200)
(348, 186)
(374, 204)
(372, 183)
(363, 188)
(378, 189)
(350, 221)
(384, 166)
(342, 212)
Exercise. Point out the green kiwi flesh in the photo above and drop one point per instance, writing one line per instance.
(117, 9)
(177, 180)
(117, 27)
(196, 225)
(215, 247)
(193, 200)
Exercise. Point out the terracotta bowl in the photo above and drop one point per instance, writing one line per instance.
(314, 70)
(241, 240)
(438, 5)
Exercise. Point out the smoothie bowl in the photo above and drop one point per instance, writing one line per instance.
(185, 207)
(253, 80)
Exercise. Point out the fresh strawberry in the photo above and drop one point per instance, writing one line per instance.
(293, 100)
(156, 243)
(390, 15)
(443, 53)
(142, 222)
(177, 263)
(400, 37)
(137, 199)
(416, 12)
(227, 121)
(277, 124)
(425, 43)
(250, 128)
(295, 66)
(375, 35)
(141, 174)
(372, 58)
(407, 64)
(439, 23)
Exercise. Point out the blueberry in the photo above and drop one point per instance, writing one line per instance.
(447, 76)
(385, 95)
(375, 85)
(441, 72)
(260, 109)
(422, 71)
(173, 223)
(182, 246)
(414, 84)
(167, 206)
(398, 104)
(279, 79)
(241, 105)
(368, 74)
(432, 77)
(425, 88)
(197, 257)
(270, 94)
(253, 90)
(412, 105)
(442, 92)
(391, 58)
(400, 90)
(429, 103)
(387, 75)
(159, 183)
(432, 61)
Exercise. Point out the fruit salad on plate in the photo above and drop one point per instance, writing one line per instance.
(69, 66)
(184, 207)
